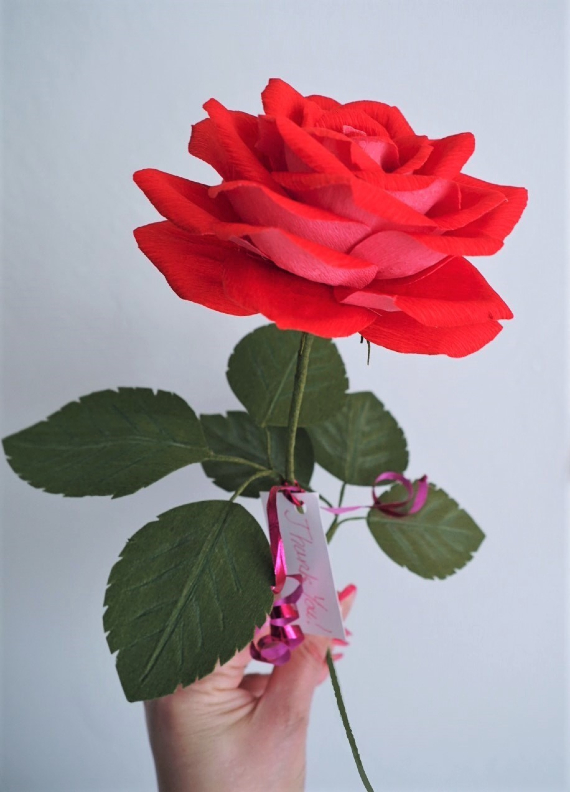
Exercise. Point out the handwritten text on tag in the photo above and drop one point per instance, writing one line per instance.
(306, 554)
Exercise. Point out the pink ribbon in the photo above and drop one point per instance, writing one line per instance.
(283, 636)
(413, 503)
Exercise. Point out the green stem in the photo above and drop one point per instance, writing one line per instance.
(234, 461)
(346, 724)
(336, 522)
(296, 401)
(332, 670)
(332, 529)
(260, 474)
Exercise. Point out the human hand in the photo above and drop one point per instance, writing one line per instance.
(240, 732)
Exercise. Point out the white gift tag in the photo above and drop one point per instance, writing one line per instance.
(307, 554)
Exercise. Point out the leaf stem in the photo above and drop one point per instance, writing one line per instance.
(346, 724)
(234, 461)
(324, 500)
(296, 401)
(260, 474)
(336, 522)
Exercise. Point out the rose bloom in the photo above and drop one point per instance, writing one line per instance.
(334, 219)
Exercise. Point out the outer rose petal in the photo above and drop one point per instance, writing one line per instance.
(184, 202)
(280, 99)
(414, 151)
(401, 333)
(500, 221)
(234, 135)
(324, 102)
(449, 295)
(192, 265)
(291, 302)
(475, 203)
(187, 205)
(449, 155)
(459, 243)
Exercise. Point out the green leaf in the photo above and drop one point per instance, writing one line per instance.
(108, 443)
(435, 542)
(239, 436)
(361, 441)
(261, 371)
(187, 591)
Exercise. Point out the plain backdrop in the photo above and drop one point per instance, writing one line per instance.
(451, 686)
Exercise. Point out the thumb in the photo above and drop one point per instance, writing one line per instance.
(291, 686)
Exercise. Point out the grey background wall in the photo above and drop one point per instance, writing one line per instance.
(452, 686)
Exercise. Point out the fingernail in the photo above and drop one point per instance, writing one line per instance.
(347, 632)
(347, 592)
(337, 656)
(340, 642)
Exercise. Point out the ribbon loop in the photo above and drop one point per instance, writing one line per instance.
(275, 648)
(413, 503)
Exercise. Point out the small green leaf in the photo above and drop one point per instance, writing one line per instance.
(238, 435)
(435, 542)
(261, 372)
(187, 591)
(360, 441)
(108, 443)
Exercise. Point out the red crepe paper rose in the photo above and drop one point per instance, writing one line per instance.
(334, 219)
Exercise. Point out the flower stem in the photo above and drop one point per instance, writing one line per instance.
(296, 401)
(332, 670)
(346, 724)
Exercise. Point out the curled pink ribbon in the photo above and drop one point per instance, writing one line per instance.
(413, 503)
(283, 636)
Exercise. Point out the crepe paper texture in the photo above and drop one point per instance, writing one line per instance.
(334, 219)
(330, 220)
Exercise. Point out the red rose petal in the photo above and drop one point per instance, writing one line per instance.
(397, 254)
(324, 102)
(450, 295)
(310, 260)
(204, 144)
(353, 198)
(459, 243)
(260, 206)
(307, 152)
(422, 200)
(184, 202)
(235, 135)
(389, 117)
(499, 222)
(413, 151)
(192, 265)
(188, 205)
(351, 150)
(401, 333)
(449, 155)
(291, 302)
(346, 116)
(280, 99)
